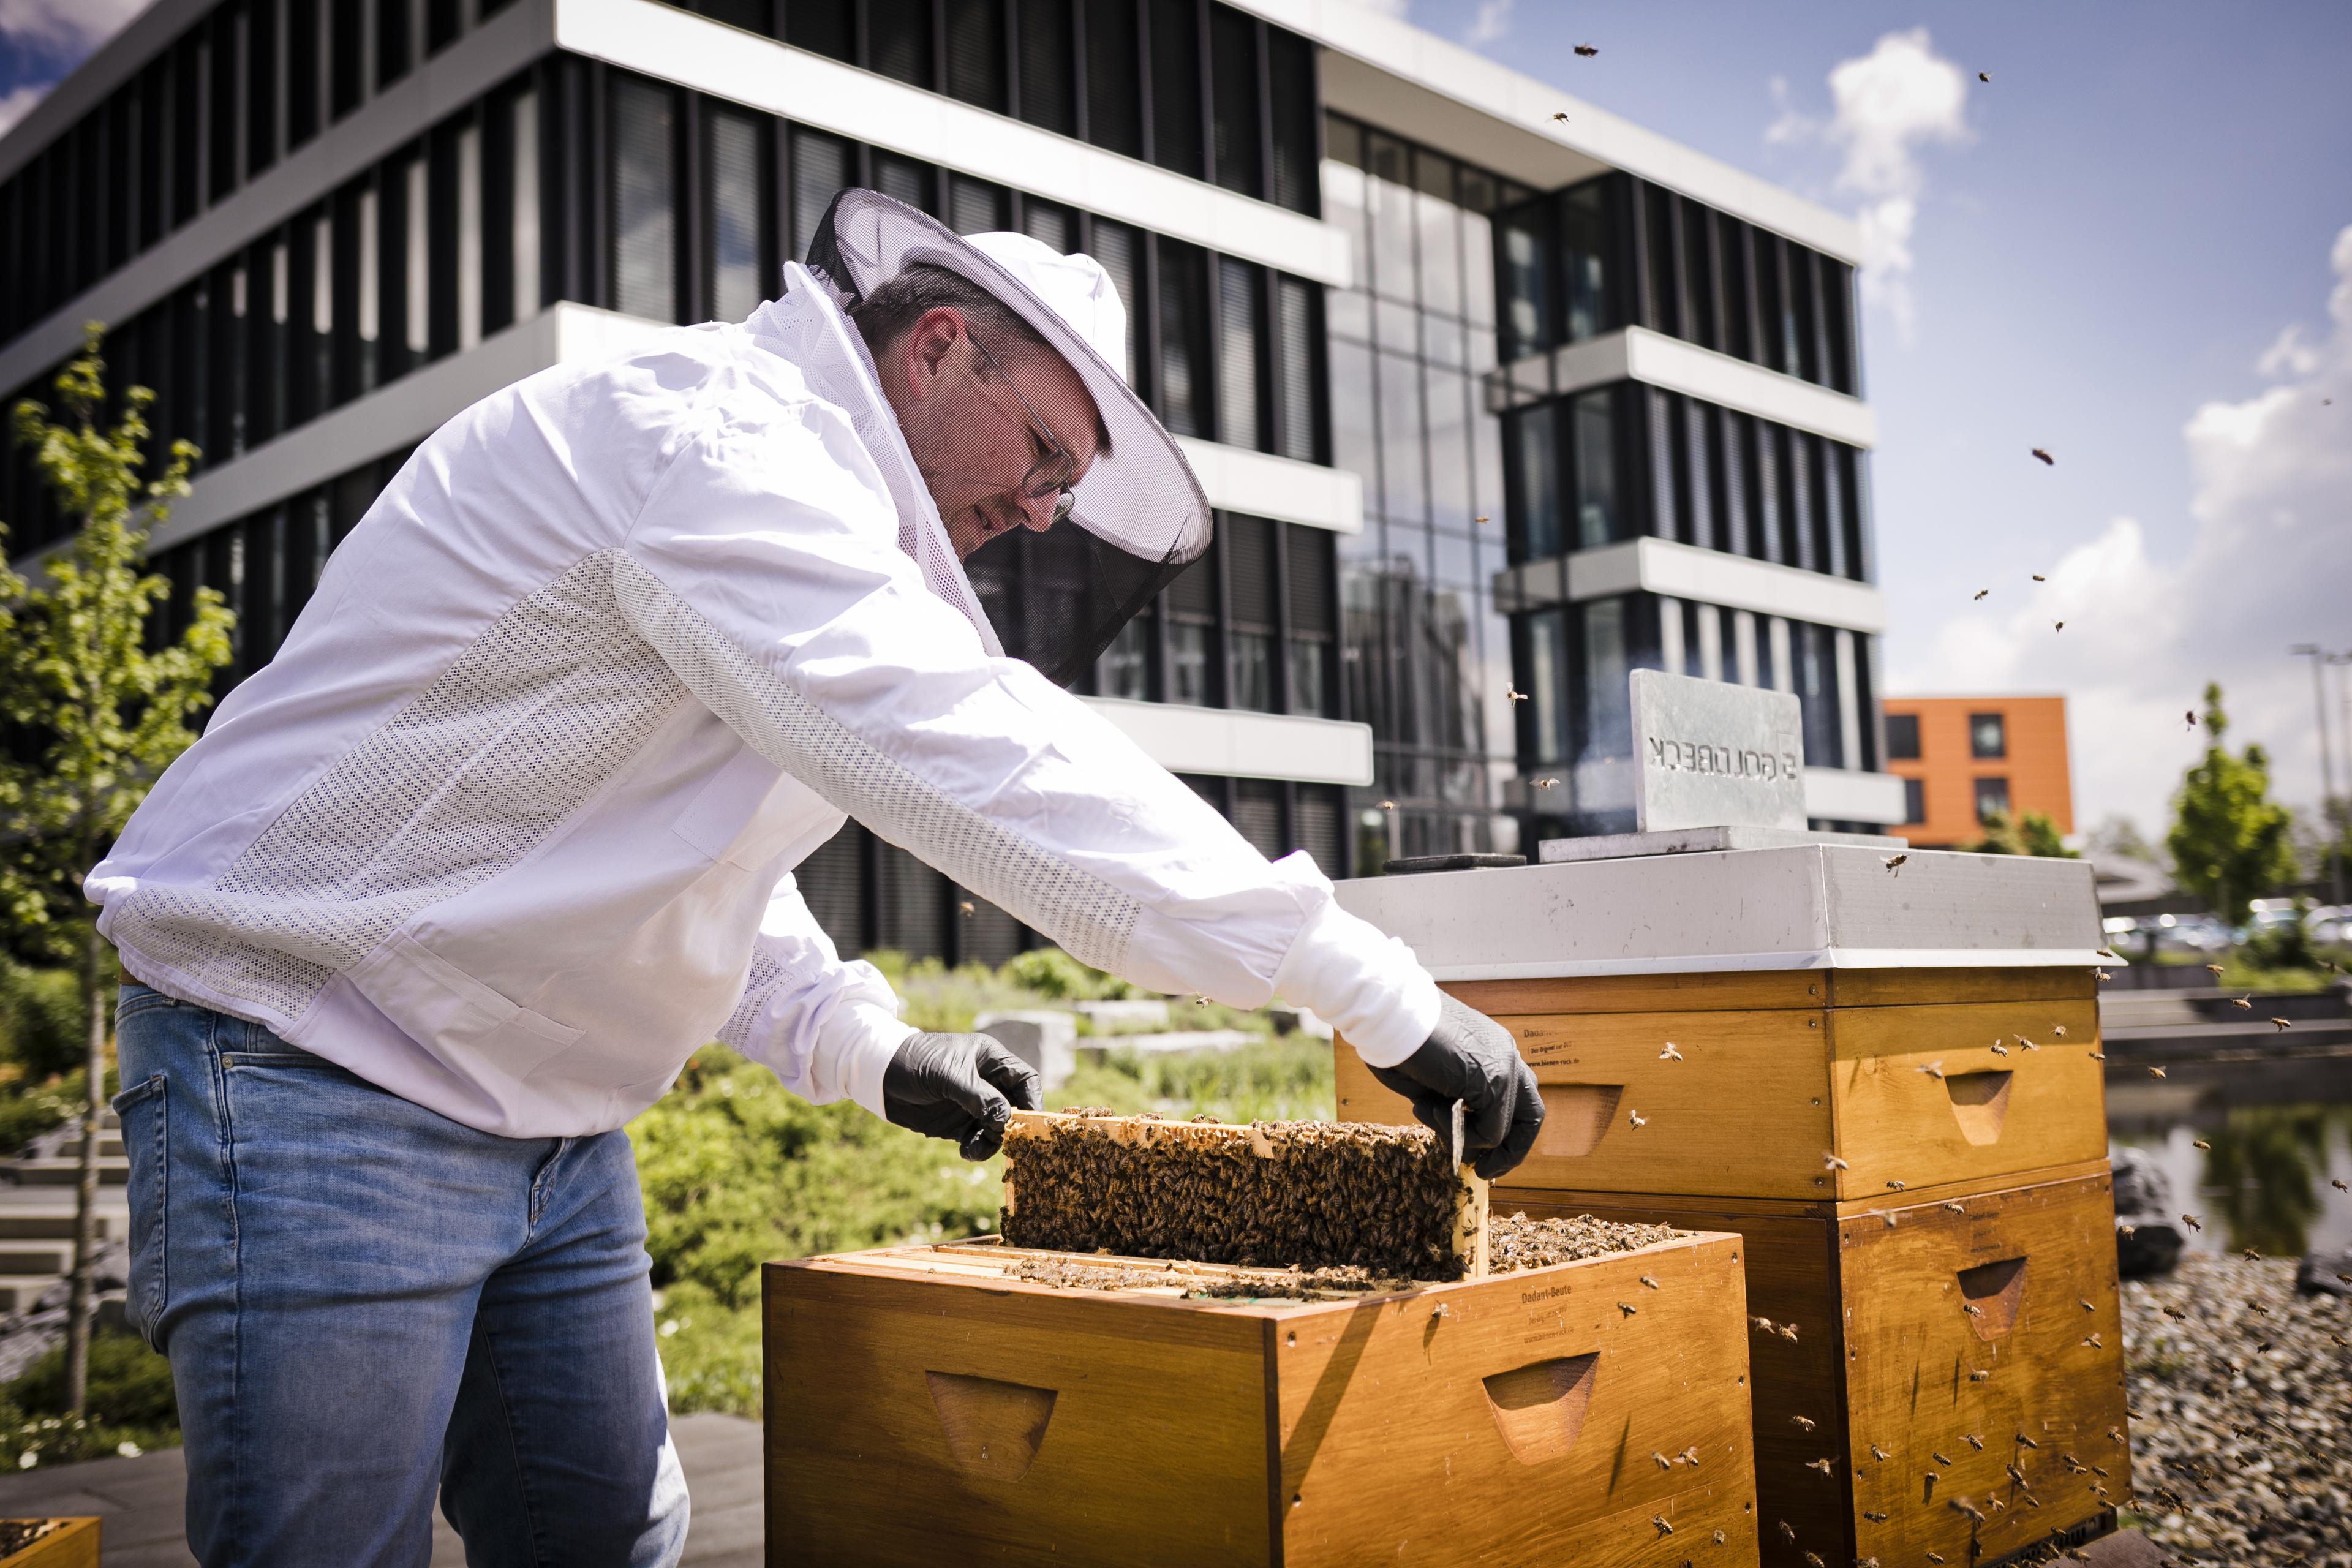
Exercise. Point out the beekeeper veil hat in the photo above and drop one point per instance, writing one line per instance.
(1057, 598)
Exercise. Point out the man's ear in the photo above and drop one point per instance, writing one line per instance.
(933, 336)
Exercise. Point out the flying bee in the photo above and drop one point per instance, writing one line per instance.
(1586, 51)
(1801, 1423)
(2048, 461)
(2155, 1072)
(1513, 694)
(1763, 1323)
(1787, 1331)
(2198, 1143)
(1637, 1119)
(1933, 1070)
(1895, 862)
(1998, 1049)
(1561, 116)
(2282, 1025)
(1832, 1163)
(2214, 969)
(1881, 1455)
(1826, 1467)
(2191, 1221)
(1940, 1459)
(1973, 1309)
(1979, 594)
(2058, 1030)
(1663, 1463)
(1954, 1207)
(2093, 1340)
(1973, 1441)
(1893, 1185)
(1670, 1054)
(1660, 1521)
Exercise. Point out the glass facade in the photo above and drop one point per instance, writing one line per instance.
(1429, 378)
(1427, 658)
(575, 181)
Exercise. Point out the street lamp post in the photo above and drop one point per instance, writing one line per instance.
(2320, 658)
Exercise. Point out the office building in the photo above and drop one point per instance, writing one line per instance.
(1493, 408)
(1963, 760)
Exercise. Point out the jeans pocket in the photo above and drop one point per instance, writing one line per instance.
(141, 1112)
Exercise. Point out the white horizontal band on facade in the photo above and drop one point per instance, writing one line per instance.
(1237, 479)
(678, 46)
(1395, 75)
(1848, 794)
(392, 416)
(1653, 359)
(1690, 572)
(395, 117)
(1237, 744)
(413, 407)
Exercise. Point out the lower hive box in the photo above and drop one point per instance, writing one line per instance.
(1935, 1382)
(979, 1403)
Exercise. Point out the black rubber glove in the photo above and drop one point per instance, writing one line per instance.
(1472, 1059)
(963, 1088)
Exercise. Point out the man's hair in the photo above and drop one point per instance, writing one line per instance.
(890, 312)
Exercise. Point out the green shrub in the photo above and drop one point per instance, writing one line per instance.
(130, 1385)
(43, 1029)
(1051, 972)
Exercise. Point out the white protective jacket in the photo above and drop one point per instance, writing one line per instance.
(508, 826)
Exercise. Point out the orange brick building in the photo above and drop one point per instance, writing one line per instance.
(1963, 758)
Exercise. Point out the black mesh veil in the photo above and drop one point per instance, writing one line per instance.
(1057, 598)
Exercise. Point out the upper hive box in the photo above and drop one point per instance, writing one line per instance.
(1813, 1021)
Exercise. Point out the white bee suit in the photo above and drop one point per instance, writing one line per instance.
(508, 826)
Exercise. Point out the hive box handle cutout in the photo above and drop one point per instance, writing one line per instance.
(1575, 1116)
(1980, 1102)
(994, 1429)
(1995, 1289)
(1540, 1408)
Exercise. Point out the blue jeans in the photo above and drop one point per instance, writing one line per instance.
(365, 1303)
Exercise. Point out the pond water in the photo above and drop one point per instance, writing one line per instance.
(2279, 1133)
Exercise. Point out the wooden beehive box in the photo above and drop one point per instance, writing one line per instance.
(926, 1405)
(1798, 1084)
(1889, 1359)
(67, 1543)
(1856, 1037)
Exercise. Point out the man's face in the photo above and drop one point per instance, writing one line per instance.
(972, 441)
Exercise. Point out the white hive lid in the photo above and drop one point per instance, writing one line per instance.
(1815, 906)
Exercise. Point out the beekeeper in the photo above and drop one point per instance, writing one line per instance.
(450, 891)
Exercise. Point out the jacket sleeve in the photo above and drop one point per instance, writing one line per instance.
(765, 569)
(826, 1026)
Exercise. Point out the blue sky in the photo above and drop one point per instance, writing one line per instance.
(2124, 248)
(2110, 239)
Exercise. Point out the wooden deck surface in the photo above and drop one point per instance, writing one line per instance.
(142, 1500)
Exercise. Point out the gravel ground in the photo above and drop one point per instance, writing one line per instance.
(2240, 1394)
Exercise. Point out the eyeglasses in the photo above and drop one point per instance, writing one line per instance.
(1049, 475)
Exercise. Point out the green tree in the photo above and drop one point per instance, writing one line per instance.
(2032, 834)
(92, 714)
(2230, 841)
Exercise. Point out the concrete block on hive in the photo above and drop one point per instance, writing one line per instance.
(930, 1404)
(1045, 1037)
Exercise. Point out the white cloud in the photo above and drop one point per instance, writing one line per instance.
(1493, 20)
(2269, 565)
(64, 30)
(15, 105)
(2288, 354)
(43, 39)
(1887, 105)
